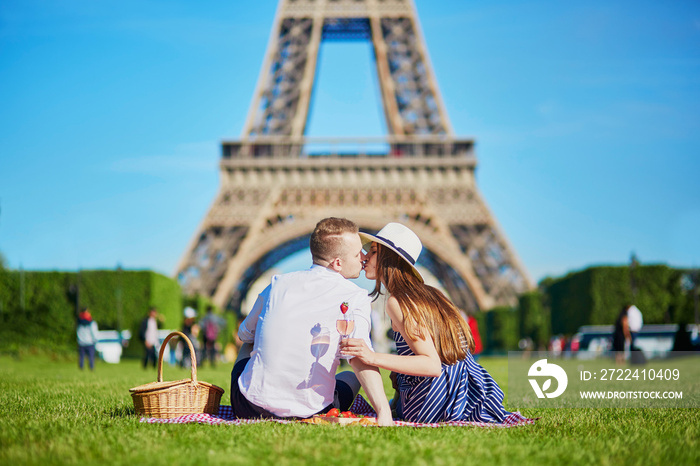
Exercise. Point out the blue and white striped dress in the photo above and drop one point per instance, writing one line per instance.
(463, 392)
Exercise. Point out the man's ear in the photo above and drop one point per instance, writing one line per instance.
(336, 264)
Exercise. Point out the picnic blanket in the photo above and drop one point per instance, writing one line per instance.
(359, 406)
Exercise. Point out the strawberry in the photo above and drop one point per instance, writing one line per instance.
(333, 412)
(344, 307)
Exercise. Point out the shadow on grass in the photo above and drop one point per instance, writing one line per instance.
(123, 410)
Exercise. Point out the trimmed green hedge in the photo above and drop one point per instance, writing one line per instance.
(500, 332)
(596, 295)
(534, 319)
(38, 309)
(593, 296)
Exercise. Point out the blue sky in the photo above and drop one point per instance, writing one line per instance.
(586, 117)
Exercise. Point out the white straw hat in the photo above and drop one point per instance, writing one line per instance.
(400, 239)
(190, 313)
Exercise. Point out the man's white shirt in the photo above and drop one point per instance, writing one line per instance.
(295, 342)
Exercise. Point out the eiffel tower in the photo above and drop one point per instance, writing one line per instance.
(277, 184)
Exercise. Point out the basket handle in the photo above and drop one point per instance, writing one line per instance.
(193, 374)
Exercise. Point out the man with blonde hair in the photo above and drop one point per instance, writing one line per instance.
(287, 365)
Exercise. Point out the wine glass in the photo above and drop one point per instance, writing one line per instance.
(345, 327)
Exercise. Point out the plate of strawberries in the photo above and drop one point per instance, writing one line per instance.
(335, 416)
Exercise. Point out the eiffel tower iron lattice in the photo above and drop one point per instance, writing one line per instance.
(276, 184)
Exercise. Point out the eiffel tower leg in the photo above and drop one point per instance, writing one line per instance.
(281, 101)
(412, 102)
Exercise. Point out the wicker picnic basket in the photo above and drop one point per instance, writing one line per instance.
(166, 400)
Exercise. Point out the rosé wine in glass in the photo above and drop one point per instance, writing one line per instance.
(345, 326)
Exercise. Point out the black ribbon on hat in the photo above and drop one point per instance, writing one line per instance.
(398, 249)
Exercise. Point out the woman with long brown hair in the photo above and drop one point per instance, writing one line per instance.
(436, 377)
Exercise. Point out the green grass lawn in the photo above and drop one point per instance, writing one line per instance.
(52, 413)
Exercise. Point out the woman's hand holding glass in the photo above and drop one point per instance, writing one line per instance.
(357, 347)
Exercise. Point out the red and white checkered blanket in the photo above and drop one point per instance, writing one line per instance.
(359, 406)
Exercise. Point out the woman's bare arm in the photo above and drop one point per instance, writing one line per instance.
(425, 362)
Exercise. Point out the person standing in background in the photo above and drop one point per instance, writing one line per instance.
(474, 328)
(210, 326)
(148, 333)
(191, 330)
(621, 337)
(635, 322)
(87, 338)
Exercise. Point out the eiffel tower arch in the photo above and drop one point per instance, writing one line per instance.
(276, 184)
